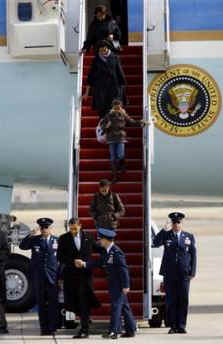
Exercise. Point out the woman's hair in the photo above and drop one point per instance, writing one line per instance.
(116, 102)
(104, 182)
(102, 44)
(100, 9)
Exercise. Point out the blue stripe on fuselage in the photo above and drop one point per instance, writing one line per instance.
(196, 15)
(2, 17)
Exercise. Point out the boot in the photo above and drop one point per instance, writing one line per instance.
(114, 172)
(122, 167)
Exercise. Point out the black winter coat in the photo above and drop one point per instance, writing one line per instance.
(78, 283)
(107, 80)
(4, 255)
(99, 30)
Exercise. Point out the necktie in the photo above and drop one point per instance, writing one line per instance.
(77, 242)
(46, 244)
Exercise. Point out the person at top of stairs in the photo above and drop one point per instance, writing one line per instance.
(114, 125)
(106, 78)
(102, 27)
(106, 207)
(114, 262)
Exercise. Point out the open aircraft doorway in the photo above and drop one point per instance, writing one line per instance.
(118, 9)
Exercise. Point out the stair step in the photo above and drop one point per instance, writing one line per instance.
(137, 309)
(92, 142)
(125, 222)
(127, 198)
(133, 81)
(92, 121)
(126, 49)
(135, 270)
(132, 88)
(95, 176)
(133, 296)
(131, 132)
(124, 234)
(130, 258)
(128, 70)
(104, 164)
(133, 100)
(120, 187)
(132, 110)
(132, 60)
(101, 284)
(131, 210)
(104, 153)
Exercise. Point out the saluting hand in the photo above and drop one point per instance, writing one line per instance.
(167, 225)
(35, 231)
(125, 291)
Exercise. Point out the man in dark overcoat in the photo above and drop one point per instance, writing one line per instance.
(78, 285)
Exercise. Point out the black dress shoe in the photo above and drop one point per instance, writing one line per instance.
(127, 335)
(172, 331)
(181, 330)
(110, 335)
(81, 335)
(4, 331)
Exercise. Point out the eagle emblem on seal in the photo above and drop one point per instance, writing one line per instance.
(183, 101)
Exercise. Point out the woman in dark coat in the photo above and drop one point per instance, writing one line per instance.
(106, 78)
(114, 125)
(102, 27)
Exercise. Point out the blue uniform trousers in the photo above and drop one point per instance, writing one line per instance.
(120, 308)
(177, 300)
(47, 301)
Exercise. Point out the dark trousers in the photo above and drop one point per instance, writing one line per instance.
(76, 293)
(83, 306)
(47, 301)
(120, 308)
(177, 301)
(3, 322)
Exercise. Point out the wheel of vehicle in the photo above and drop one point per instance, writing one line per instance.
(20, 296)
(156, 321)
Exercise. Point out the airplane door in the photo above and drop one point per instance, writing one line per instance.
(71, 29)
(157, 22)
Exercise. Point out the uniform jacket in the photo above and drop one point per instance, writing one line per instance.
(99, 30)
(43, 259)
(106, 210)
(4, 255)
(106, 78)
(116, 270)
(179, 259)
(76, 279)
(4, 247)
(118, 121)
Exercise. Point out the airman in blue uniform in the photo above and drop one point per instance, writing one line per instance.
(114, 263)
(44, 270)
(178, 267)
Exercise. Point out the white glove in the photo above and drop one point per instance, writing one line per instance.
(167, 226)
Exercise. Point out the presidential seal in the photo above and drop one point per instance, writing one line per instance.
(185, 100)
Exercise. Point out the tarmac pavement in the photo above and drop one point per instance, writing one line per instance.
(204, 322)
